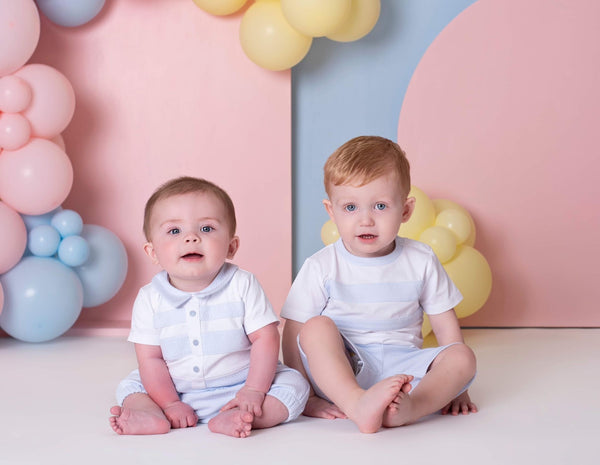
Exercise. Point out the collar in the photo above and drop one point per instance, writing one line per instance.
(177, 298)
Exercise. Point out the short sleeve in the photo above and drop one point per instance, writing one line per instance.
(258, 311)
(439, 294)
(142, 320)
(308, 295)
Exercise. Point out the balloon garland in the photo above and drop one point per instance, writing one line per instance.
(449, 230)
(277, 34)
(51, 264)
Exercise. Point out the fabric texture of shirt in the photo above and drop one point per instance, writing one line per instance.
(375, 299)
(203, 335)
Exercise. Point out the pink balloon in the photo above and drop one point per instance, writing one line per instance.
(36, 178)
(19, 33)
(15, 94)
(53, 100)
(14, 238)
(14, 131)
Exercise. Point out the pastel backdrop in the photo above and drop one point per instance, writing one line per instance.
(496, 103)
(163, 89)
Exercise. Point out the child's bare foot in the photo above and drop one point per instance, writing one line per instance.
(369, 409)
(399, 412)
(232, 422)
(127, 421)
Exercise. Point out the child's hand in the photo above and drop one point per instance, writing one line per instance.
(248, 400)
(462, 404)
(181, 415)
(320, 408)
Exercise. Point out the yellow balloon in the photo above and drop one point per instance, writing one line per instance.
(426, 328)
(268, 39)
(363, 17)
(441, 240)
(220, 7)
(445, 204)
(470, 272)
(457, 222)
(422, 218)
(316, 18)
(329, 233)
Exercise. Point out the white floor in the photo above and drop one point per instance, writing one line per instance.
(538, 391)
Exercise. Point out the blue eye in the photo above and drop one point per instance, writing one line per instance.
(174, 231)
(206, 229)
(380, 206)
(350, 208)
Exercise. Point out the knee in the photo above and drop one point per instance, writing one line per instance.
(316, 328)
(463, 359)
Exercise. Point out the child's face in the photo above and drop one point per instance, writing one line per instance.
(190, 239)
(368, 217)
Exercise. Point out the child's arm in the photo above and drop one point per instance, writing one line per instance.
(264, 355)
(447, 331)
(315, 406)
(159, 385)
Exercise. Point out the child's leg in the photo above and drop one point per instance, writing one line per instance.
(449, 373)
(139, 415)
(329, 367)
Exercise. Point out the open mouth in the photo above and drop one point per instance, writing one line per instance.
(367, 237)
(192, 256)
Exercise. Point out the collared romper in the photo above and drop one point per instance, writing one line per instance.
(204, 340)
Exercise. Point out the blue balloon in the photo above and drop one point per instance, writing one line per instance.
(70, 13)
(73, 251)
(31, 221)
(68, 223)
(103, 274)
(43, 240)
(42, 299)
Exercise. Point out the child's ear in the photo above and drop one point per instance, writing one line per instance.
(234, 245)
(409, 208)
(149, 249)
(329, 207)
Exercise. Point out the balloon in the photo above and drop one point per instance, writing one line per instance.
(14, 131)
(15, 94)
(457, 222)
(68, 223)
(441, 240)
(363, 17)
(426, 328)
(14, 237)
(31, 221)
(422, 217)
(471, 273)
(316, 18)
(104, 272)
(53, 102)
(19, 33)
(268, 39)
(42, 299)
(329, 233)
(73, 251)
(35, 178)
(58, 140)
(444, 204)
(220, 7)
(43, 240)
(70, 13)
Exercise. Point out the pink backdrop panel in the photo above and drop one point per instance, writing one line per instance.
(501, 116)
(163, 89)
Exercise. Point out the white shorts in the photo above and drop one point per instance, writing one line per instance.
(289, 387)
(372, 363)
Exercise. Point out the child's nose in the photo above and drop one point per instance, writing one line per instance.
(366, 219)
(192, 238)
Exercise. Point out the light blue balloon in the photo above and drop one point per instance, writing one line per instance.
(68, 223)
(70, 13)
(43, 240)
(42, 299)
(103, 274)
(31, 221)
(73, 251)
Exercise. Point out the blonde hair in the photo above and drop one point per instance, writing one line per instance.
(188, 185)
(364, 159)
